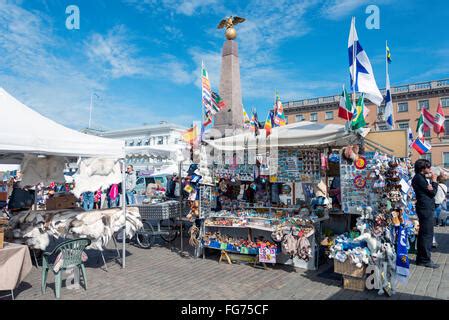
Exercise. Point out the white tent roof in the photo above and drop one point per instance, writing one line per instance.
(301, 134)
(23, 130)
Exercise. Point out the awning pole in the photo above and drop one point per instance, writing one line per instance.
(124, 212)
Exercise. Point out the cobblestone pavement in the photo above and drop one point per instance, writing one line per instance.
(160, 274)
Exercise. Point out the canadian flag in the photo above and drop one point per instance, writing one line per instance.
(438, 126)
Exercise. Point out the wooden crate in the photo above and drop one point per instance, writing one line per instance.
(61, 202)
(349, 269)
(356, 284)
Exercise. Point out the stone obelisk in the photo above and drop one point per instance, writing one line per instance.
(231, 118)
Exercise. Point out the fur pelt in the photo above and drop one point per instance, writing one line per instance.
(36, 228)
(94, 174)
(42, 170)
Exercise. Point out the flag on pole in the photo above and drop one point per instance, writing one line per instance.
(255, 123)
(208, 119)
(345, 108)
(439, 120)
(279, 116)
(362, 75)
(429, 120)
(358, 121)
(269, 123)
(420, 127)
(389, 55)
(410, 137)
(246, 120)
(190, 136)
(389, 106)
(206, 90)
(421, 146)
(217, 103)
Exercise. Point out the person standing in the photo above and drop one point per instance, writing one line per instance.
(440, 197)
(130, 184)
(425, 186)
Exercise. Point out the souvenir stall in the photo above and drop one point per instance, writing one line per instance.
(376, 187)
(271, 193)
(42, 146)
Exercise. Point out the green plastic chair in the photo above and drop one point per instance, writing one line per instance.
(71, 254)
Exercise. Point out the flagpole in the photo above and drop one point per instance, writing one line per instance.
(91, 107)
(354, 71)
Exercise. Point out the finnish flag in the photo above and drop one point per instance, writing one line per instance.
(389, 106)
(362, 75)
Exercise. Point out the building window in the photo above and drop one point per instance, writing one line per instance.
(423, 104)
(427, 156)
(329, 115)
(380, 110)
(445, 102)
(446, 159)
(403, 107)
(383, 127)
(427, 134)
(314, 117)
(403, 125)
(446, 127)
(160, 140)
(300, 117)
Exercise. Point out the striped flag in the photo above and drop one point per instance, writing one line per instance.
(206, 89)
(389, 55)
(429, 120)
(255, 123)
(421, 146)
(246, 120)
(420, 127)
(269, 123)
(190, 136)
(208, 120)
(345, 108)
(279, 117)
(439, 120)
(217, 103)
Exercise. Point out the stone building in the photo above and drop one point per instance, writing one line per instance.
(407, 103)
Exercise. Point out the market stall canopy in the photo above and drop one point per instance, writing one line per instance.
(24, 131)
(301, 134)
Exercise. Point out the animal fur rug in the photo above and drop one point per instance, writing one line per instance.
(36, 228)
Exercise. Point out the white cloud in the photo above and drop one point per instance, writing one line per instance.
(336, 9)
(184, 7)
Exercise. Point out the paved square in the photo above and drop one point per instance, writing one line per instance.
(160, 274)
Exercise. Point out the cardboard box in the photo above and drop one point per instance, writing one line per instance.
(349, 269)
(356, 284)
(2, 237)
(61, 202)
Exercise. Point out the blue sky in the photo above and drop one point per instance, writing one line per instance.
(143, 57)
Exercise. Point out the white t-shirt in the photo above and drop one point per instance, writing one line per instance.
(441, 194)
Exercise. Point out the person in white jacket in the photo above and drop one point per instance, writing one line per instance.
(440, 200)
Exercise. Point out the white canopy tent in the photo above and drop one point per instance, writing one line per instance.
(25, 131)
(293, 135)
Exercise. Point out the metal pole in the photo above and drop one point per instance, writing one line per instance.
(180, 202)
(91, 106)
(354, 71)
(124, 212)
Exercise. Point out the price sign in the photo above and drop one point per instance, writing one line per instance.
(267, 255)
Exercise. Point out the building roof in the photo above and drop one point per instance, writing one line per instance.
(163, 126)
(397, 90)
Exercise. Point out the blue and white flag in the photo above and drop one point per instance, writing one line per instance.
(410, 137)
(362, 75)
(402, 259)
(389, 106)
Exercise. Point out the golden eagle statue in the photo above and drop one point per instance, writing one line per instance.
(229, 24)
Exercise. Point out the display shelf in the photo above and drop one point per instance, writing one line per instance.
(241, 227)
(241, 217)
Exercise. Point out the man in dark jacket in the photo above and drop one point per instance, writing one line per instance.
(425, 191)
